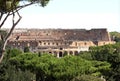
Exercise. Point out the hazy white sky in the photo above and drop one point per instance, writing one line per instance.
(80, 14)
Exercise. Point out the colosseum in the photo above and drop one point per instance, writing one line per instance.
(58, 41)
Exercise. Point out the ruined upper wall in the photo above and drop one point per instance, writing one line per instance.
(63, 34)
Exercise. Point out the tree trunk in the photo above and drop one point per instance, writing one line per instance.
(1, 56)
(5, 39)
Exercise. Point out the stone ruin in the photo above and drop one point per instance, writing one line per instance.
(59, 42)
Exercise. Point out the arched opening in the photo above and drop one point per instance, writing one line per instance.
(60, 54)
(71, 52)
(76, 52)
(61, 48)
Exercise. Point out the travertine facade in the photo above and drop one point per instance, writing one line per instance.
(59, 41)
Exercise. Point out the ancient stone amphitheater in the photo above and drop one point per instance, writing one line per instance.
(58, 41)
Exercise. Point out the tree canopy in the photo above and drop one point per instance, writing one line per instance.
(11, 5)
(115, 36)
(47, 67)
(87, 66)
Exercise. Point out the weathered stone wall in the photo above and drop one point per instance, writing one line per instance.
(59, 41)
(64, 34)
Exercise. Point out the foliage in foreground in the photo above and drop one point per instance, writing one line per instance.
(88, 66)
(47, 67)
(115, 36)
(111, 54)
(29, 66)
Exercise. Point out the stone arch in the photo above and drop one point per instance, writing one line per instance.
(50, 52)
(44, 43)
(39, 43)
(61, 48)
(71, 52)
(76, 52)
(57, 44)
(60, 54)
(53, 43)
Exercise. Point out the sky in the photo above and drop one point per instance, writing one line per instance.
(72, 14)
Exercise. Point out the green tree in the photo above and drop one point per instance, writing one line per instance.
(102, 53)
(11, 8)
(111, 54)
(9, 72)
(115, 66)
(14, 52)
(115, 36)
(47, 67)
(86, 55)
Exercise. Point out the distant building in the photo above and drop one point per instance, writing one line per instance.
(59, 41)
